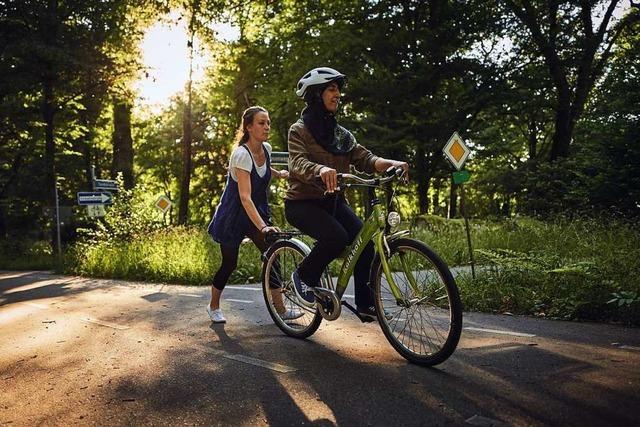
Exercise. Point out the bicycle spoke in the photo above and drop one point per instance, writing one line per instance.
(278, 268)
(421, 328)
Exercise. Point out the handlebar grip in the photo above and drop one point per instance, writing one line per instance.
(394, 170)
(319, 181)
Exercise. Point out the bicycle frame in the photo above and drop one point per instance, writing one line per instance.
(373, 230)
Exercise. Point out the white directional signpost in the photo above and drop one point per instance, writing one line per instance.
(279, 158)
(100, 196)
(457, 152)
(94, 198)
(105, 185)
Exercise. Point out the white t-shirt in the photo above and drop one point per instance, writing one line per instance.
(240, 158)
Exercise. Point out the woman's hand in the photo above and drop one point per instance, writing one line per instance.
(404, 166)
(329, 178)
(283, 174)
(269, 229)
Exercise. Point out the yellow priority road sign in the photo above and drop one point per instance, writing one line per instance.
(163, 203)
(456, 151)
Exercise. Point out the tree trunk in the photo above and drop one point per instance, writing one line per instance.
(533, 138)
(435, 200)
(423, 180)
(562, 134)
(122, 143)
(48, 113)
(185, 179)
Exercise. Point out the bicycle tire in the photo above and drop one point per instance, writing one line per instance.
(285, 255)
(429, 344)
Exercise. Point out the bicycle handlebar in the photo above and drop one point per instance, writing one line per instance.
(392, 173)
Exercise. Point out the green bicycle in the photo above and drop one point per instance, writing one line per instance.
(416, 298)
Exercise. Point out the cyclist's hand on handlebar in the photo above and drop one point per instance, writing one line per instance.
(269, 229)
(329, 178)
(405, 168)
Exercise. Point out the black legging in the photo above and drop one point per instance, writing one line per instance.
(230, 259)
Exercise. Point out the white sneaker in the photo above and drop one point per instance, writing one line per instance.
(291, 314)
(216, 315)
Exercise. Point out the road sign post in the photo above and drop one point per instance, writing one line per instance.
(457, 152)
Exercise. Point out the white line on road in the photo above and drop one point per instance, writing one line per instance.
(257, 362)
(630, 347)
(499, 331)
(101, 323)
(478, 420)
(36, 305)
(191, 295)
(239, 300)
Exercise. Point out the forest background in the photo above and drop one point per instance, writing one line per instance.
(546, 93)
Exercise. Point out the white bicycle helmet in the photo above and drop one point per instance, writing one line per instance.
(317, 76)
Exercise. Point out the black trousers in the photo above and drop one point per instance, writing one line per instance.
(230, 261)
(333, 233)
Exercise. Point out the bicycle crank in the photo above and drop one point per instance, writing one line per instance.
(328, 303)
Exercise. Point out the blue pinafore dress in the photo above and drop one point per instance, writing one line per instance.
(230, 223)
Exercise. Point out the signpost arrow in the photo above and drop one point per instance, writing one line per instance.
(93, 198)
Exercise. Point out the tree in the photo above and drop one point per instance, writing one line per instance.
(575, 60)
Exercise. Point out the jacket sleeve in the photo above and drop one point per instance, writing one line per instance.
(363, 159)
(300, 167)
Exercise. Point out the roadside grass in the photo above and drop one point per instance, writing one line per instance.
(26, 255)
(180, 255)
(578, 269)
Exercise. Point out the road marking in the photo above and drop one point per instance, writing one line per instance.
(479, 420)
(239, 300)
(499, 331)
(190, 295)
(36, 305)
(630, 347)
(243, 288)
(257, 362)
(101, 323)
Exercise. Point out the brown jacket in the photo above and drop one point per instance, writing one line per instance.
(307, 157)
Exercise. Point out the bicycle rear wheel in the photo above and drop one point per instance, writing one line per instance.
(281, 259)
(425, 323)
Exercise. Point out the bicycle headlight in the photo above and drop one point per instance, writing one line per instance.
(393, 218)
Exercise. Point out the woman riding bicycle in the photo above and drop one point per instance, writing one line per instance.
(319, 146)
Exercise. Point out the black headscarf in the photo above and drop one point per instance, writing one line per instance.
(325, 128)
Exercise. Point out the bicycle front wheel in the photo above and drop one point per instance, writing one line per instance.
(423, 321)
(289, 311)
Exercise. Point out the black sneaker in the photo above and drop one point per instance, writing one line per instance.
(369, 313)
(302, 289)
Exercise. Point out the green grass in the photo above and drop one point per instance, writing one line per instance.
(580, 269)
(173, 255)
(26, 255)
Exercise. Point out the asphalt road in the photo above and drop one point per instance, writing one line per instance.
(78, 351)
